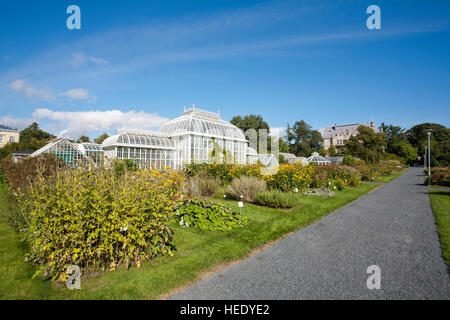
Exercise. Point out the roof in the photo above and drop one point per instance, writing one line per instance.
(201, 122)
(315, 157)
(288, 155)
(88, 146)
(139, 139)
(56, 141)
(21, 153)
(5, 128)
(337, 159)
(344, 129)
(267, 159)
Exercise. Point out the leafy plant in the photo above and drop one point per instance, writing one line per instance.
(206, 215)
(290, 176)
(277, 199)
(98, 221)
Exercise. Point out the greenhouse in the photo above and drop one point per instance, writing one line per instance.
(197, 136)
(202, 136)
(150, 150)
(72, 153)
(316, 158)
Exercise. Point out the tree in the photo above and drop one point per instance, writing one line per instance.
(332, 151)
(252, 121)
(101, 138)
(440, 142)
(367, 144)
(302, 139)
(404, 149)
(32, 138)
(83, 139)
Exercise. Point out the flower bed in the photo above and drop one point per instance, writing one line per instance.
(98, 221)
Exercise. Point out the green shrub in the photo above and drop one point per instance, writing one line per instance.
(335, 175)
(120, 166)
(95, 220)
(224, 172)
(348, 160)
(200, 186)
(439, 176)
(245, 186)
(206, 215)
(277, 199)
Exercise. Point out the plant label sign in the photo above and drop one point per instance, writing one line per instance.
(240, 204)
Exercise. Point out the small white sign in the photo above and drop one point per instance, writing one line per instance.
(240, 204)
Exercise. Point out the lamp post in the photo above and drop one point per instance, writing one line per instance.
(429, 156)
(425, 159)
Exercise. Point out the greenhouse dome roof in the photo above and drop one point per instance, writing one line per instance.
(139, 139)
(202, 122)
(315, 157)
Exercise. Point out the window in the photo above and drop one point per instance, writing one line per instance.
(11, 139)
(1, 138)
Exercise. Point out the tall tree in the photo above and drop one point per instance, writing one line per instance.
(252, 121)
(101, 138)
(367, 144)
(302, 139)
(84, 139)
(33, 138)
(439, 139)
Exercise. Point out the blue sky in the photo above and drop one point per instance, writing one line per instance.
(137, 63)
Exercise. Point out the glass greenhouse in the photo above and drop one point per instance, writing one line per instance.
(150, 150)
(197, 136)
(316, 158)
(72, 153)
(202, 136)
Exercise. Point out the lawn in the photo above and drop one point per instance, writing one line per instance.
(390, 177)
(440, 202)
(197, 252)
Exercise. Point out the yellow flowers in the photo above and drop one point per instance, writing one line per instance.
(290, 176)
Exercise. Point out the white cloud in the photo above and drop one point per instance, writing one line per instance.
(74, 124)
(15, 123)
(80, 58)
(23, 87)
(79, 94)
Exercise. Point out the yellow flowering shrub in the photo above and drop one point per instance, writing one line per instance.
(290, 176)
(99, 221)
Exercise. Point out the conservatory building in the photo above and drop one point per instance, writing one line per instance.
(197, 136)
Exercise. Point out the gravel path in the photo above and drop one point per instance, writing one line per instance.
(392, 227)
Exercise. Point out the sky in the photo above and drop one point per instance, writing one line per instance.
(137, 63)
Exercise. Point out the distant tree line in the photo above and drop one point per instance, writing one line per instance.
(390, 142)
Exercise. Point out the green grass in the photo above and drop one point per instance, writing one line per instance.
(440, 202)
(390, 177)
(197, 252)
(438, 186)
